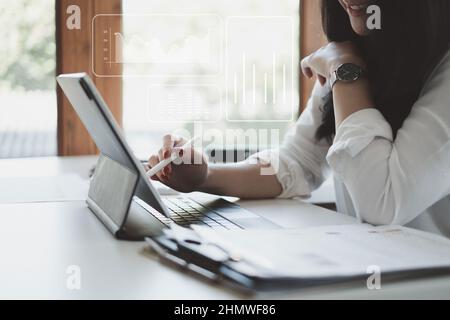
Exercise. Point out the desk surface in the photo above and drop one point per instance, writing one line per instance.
(40, 241)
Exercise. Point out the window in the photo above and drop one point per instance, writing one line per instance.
(225, 70)
(27, 85)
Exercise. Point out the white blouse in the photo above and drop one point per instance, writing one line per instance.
(378, 179)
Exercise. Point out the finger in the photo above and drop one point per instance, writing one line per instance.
(167, 170)
(161, 154)
(306, 69)
(165, 153)
(168, 141)
(307, 72)
(179, 141)
(154, 177)
(180, 153)
(188, 156)
(166, 150)
(149, 162)
(171, 141)
(153, 161)
(322, 79)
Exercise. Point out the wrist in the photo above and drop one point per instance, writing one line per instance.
(347, 73)
(361, 86)
(353, 59)
(206, 185)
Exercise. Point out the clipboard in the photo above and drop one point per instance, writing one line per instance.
(187, 249)
(217, 264)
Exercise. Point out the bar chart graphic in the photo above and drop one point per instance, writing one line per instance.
(183, 103)
(259, 72)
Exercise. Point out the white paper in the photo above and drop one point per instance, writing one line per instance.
(340, 250)
(68, 187)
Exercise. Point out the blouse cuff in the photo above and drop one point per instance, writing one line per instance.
(289, 173)
(354, 134)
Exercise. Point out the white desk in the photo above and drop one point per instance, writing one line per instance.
(39, 241)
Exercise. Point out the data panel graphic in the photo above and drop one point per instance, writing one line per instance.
(259, 68)
(194, 46)
(183, 103)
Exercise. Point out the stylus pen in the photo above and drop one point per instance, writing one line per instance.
(164, 163)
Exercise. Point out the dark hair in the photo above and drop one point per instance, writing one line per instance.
(414, 37)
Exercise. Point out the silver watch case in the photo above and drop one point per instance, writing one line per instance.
(347, 72)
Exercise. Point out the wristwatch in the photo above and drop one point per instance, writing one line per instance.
(347, 72)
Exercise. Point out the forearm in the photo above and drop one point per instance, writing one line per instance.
(243, 180)
(349, 98)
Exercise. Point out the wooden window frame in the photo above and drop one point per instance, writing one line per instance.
(74, 54)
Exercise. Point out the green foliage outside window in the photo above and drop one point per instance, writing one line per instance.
(27, 47)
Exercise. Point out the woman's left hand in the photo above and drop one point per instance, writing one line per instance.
(327, 59)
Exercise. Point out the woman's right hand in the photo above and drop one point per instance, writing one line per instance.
(185, 175)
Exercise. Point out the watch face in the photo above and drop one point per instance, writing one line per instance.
(348, 72)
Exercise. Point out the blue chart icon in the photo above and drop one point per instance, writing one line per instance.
(259, 67)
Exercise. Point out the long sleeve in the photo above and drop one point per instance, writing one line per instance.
(392, 182)
(299, 162)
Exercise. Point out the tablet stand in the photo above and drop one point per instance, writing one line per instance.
(111, 192)
(112, 197)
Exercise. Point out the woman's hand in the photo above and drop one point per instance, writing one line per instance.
(348, 98)
(327, 59)
(186, 175)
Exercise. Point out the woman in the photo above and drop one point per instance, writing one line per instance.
(378, 119)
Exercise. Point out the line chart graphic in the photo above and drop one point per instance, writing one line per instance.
(193, 50)
(157, 45)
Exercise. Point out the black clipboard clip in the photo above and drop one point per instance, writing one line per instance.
(187, 249)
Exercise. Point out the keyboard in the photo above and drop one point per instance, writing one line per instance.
(185, 211)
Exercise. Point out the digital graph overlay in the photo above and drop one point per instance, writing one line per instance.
(157, 45)
(259, 68)
(183, 103)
